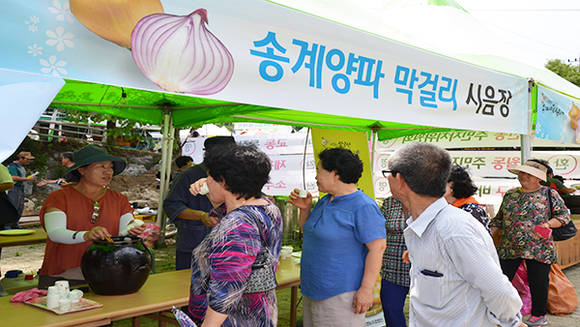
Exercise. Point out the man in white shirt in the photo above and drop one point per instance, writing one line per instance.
(456, 279)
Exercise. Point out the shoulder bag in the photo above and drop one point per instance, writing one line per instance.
(263, 277)
(563, 232)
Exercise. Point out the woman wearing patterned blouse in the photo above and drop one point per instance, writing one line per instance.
(394, 272)
(459, 193)
(524, 210)
(222, 262)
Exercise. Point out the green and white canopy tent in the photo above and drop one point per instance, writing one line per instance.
(214, 61)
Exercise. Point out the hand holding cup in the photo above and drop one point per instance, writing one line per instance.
(301, 199)
(196, 188)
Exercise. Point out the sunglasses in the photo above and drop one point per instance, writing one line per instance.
(387, 172)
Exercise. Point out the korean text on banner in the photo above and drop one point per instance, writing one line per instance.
(269, 55)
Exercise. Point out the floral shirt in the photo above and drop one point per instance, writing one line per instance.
(222, 263)
(478, 213)
(394, 269)
(519, 213)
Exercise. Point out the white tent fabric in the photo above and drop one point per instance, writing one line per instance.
(445, 29)
(23, 98)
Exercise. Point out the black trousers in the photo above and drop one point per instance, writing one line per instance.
(538, 279)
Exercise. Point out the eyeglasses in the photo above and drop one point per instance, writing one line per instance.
(387, 172)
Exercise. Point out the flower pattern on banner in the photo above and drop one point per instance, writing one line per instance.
(35, 50)
(33, 23)
(60, 39)
(53, 66)
(62, 11)
(519, 213)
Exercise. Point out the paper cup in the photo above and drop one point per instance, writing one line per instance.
(64, 305)
(75, 296)
(62, 284)
(204, 189)
(286, 252)
(53, 297)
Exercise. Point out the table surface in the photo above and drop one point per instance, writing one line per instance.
(160, 292)
(39, 236)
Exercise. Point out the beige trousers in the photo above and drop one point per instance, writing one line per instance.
(336, 311)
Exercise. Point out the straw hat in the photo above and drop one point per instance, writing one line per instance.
(531, 167)
(91, 154)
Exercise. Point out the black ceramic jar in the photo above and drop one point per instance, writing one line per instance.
(116, 268)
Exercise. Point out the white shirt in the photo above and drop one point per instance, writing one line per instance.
(456, 279)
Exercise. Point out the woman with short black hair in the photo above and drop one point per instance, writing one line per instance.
(252, 227)
(459, 193)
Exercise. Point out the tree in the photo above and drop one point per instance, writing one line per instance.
(566, 71)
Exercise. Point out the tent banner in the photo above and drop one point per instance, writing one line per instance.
(285, 144)
(489, 191)
(497, 163)
(260, 53)
(466, 140)
(23, 98)
(287, 157)
(558, 117)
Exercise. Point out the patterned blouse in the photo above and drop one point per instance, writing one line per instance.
(518, 214)
(478, 213)
(394, 269)
(223, 261)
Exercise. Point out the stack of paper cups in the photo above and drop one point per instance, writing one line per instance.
(75, 296)
(63, 287)
(64, 304)
(53, 297)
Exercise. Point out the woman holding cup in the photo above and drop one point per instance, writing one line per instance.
(344, 232)
(251, 226)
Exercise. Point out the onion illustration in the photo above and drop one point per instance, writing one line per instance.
(179, 54)
(113, 20)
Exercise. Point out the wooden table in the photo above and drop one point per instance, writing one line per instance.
(39, 236)
(160, 293)
(288, 275)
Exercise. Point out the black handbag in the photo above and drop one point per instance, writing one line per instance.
(263, 276)
(563, 232)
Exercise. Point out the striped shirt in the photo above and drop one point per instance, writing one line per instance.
(456, 279)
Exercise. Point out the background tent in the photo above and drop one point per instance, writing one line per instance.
(288, 67)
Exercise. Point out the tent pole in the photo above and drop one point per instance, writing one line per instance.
(526, 140)
(163, 173)
(304, 160)
(169, 157)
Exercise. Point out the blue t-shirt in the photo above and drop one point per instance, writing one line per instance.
(334, 248)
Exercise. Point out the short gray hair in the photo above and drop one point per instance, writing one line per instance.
(425, 167)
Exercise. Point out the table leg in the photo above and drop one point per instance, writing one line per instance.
(136, 322)
(293, 305)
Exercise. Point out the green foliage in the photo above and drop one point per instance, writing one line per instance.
(121, 126)
(566, 71)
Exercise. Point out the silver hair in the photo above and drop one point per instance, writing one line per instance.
(424, 167)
